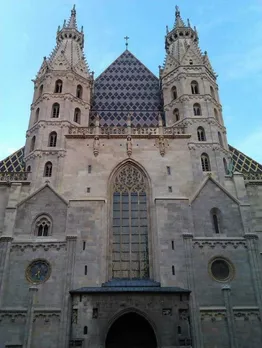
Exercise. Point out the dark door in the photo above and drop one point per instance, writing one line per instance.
(131, 331)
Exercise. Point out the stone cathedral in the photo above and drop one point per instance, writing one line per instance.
(127, 220)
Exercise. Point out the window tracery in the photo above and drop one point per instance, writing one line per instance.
(130, 224)
(43, 226)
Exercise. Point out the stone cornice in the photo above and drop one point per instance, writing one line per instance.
(43, 124)
(40, 153)
(33, 246)
(176, 75)
(209, 145)
(64, 73)
(59, 96)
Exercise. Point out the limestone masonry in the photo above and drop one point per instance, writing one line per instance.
(127, 220)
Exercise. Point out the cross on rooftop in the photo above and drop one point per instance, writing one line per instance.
(126, 38)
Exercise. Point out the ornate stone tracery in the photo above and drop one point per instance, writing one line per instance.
(129, 179)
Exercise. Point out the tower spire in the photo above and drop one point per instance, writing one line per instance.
(72, 20)
(178, 22)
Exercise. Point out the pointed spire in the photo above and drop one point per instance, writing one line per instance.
(72, 19)
(178, 22)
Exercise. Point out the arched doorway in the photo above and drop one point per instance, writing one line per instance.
(131, 330)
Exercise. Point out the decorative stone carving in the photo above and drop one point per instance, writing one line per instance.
(219, 243)
(37, 246)
(246, 315)
(213, 315)
(96, 146)
(13, 317)
(167, 311)
(129, 146)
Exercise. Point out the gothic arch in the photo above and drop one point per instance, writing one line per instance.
(130, 310)
(111, 197)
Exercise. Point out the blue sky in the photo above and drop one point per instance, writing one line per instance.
(231, 32)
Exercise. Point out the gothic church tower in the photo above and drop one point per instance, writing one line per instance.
(191, 98)
(61, 99)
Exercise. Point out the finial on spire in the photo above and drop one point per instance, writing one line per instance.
(177, 11)
(167, 30)
(126, 38)
(64, 24)
(73, 11)
(188, 23)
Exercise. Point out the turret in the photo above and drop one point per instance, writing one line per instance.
(190, 95)
(62, 93)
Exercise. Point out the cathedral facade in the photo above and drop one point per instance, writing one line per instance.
(127, 220)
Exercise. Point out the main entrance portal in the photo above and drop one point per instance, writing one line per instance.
(131, 331)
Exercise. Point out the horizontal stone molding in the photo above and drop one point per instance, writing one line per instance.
(38, 246)
(224, 243)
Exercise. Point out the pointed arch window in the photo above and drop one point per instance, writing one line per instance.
(37, 115)
(41, 90)
(58, 86)
(194, 87)
(79, 91)
(220, 138)
(216, 220)
(216, 115)
(52, 139)
(28, 169)
(201, 135)
(205, 162)
(190, 61)
(176, 115)
(130, 257)
(197, 109)
(32, 145)
(212, 92)
(43, 226)
(55, 110)
(48, 169)
(174, 92)
(77, 115)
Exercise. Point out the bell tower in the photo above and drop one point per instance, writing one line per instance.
(62, 93)
(191, 98)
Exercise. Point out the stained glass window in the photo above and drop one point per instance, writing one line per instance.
(130, 224)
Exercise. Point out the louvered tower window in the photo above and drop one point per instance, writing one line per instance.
(130, 224)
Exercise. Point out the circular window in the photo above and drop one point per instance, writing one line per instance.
(221, 269)
(38, 271)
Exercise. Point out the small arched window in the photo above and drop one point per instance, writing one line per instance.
(225, 166)
(52, 139)
(77, 115)
(174, 92)
(216, 220)
(212, 92)
(58, 86)
(37, 115)
(55, 110)
(216, 115)
(32, 145)
(176, 115)
(41, 90)
(79, 91)
(194, 87)
(205, 163)
(85, 330)
(28, 169)
(201, 135)
(197, 109)
(220, 138)
(48, 169)
(43, 226)
(190, 61)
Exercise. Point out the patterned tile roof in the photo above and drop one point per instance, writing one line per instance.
(14, 162)
(127, 86)
(251, 169)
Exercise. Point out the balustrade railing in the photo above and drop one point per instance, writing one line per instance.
(137, 131)
(13, 176)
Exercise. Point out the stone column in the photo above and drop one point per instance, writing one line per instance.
(66, 299)
(255, 268)
(230, 316)
(194, 308)
(5, 245)
(29, 317)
